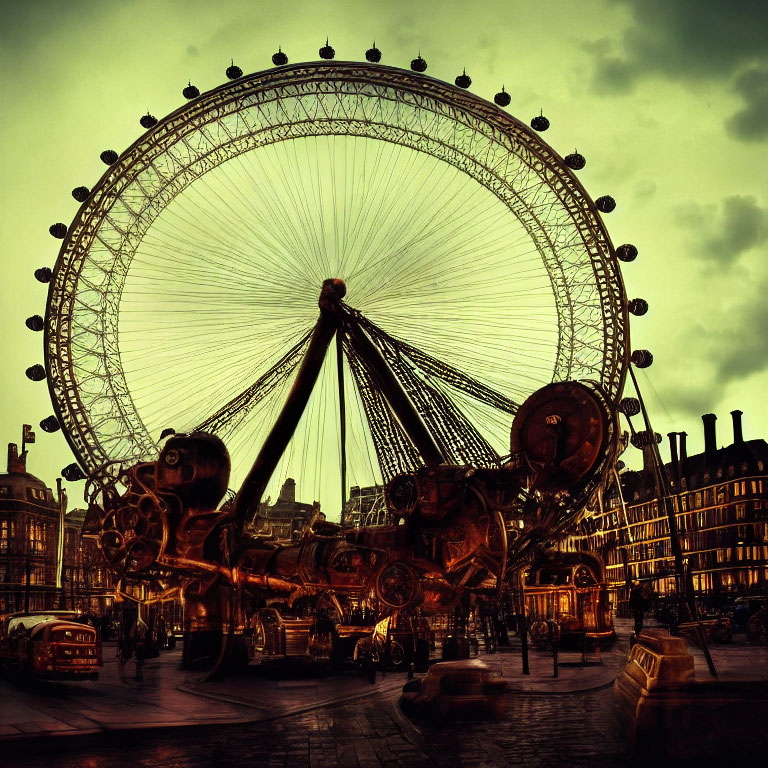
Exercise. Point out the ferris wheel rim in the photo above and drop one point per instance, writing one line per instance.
(62, 381)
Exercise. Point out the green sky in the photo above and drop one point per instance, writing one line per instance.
(668, 101)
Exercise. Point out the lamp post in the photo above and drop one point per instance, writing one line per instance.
(27, 573)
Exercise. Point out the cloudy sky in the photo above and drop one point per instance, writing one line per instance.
(668, 101)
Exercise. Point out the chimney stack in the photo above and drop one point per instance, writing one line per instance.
(683, 459)
(710, 439)
(16, 463)
(738, 437)
(673, 456)
(647, 458)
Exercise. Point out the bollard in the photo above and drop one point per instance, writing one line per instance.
(554, 658)
(554, 637)
(521, 623)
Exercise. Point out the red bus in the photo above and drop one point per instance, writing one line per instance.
(51, 645)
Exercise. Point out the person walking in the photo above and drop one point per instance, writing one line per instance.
(138, 636)
(639, 603)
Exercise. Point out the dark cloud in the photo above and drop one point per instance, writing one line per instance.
(686, 39)
(693, 40)
(751, 123)
(730, 343)
(741, 346)
(723, 234)
(731, 346)
(693, 397)
(27, 29)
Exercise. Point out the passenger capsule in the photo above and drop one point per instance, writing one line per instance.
(35, 323)
(641, 358)
(58, 230)
(626, 252)
(629, 406)
(502, 98)
(50, 424)
(190, 91)
(108, 157)
(326, 52)
(233, 71)
(539, 123)
(373, 54)
(35, 372)
(43, 275)
(605, 204)
(279, 58)
(81, 194)
(148, 121)
(418, 64)
(638, 306)
(463, 80)
(72, 473)
(575, 161)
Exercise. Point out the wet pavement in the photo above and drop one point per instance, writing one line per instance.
(173, 718)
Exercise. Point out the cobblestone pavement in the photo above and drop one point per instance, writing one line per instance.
(539, 731)
(550, 726)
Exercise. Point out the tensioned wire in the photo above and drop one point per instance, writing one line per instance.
(227, 279)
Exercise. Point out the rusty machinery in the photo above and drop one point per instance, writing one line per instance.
(456, 528)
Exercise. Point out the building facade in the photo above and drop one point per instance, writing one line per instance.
(30, 522)
(45, 563)
(87, 585)
(286, 518)
(720, 503)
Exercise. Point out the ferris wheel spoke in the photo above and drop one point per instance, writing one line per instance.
(237, 408)
(441, 370)
(395, 453)
(460, 441)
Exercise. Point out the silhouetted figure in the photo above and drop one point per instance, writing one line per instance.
(138, 639)
(639, 603)
(124, 651)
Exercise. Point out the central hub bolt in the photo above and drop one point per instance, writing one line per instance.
(334, 290)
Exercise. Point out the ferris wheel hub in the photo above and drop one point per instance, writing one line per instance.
(333, 291)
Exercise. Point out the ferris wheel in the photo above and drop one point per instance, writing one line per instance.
(185, 290)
